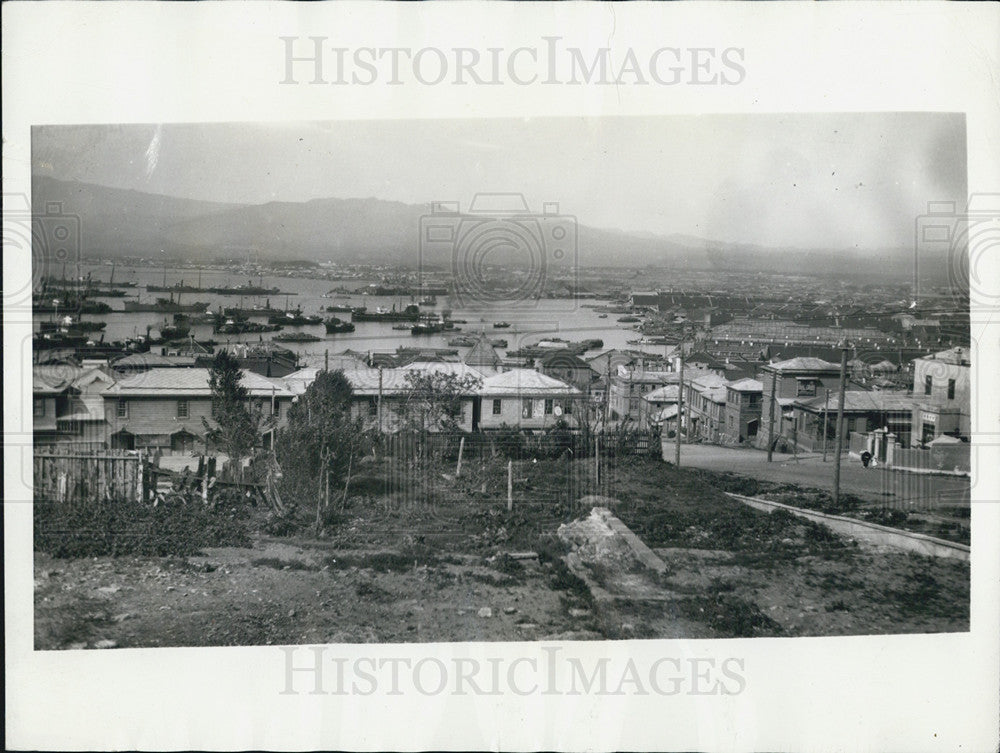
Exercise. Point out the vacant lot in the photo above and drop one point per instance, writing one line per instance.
(420, 556)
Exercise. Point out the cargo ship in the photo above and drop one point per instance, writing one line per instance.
(409, 314)
(165, 306)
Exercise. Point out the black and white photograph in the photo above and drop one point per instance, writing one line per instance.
(501, 376)
(332, 382)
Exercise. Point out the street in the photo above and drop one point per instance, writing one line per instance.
(809, 470)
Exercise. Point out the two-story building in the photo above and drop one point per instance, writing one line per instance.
(526, 399)
(161, 410)
(799, 378)
(705, 404)
(628, 386)
(660, 407)
(67, 407)
(387, 400)
(743, 405)
(942, 382)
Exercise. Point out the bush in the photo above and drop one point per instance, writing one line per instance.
(121, 527)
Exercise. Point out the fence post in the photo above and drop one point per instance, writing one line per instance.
(597, 459)
(461, 447)
(510, 485)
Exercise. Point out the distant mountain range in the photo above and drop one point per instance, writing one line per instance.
(117, 222)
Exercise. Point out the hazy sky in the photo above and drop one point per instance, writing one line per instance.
(819, 181)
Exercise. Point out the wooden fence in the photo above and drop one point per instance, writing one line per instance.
(69, 476)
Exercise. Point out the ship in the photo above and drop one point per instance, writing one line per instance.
(165, 306)
(334, 326)
(248, 289)
(294, 319)
(70, 326)
(234, 326)
(181, 328)
(296, 337)
(336, 309)
(410, 314)
(179, 287)
(427, 328)
(629, 319)
(78, 305)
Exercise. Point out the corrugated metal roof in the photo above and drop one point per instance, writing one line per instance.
(858, 401)
(747, 385)
(171, 382)
(804, 363)
(662, 394)
(523, 382)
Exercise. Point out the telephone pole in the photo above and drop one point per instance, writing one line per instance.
(840, 424)
(770, 414)
(826, 412)
(680, 408)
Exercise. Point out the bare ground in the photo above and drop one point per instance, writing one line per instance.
(425, 563)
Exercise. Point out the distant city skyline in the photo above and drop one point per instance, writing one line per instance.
(844, 180)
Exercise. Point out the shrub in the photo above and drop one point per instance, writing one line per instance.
(116, 527)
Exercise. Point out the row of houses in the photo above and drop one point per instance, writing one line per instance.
(166, 409)
(796, 400)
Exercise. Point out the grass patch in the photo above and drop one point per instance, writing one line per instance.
(279, 564)
(120, 527)
(730, 615)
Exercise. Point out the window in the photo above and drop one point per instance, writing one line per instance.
(805, 388)
(568, 407)
(951, 389)
(121, 409)
(182, 409)
(548, 407)
(38, 407)
(526, 408)
(497, 405)
(927, 385)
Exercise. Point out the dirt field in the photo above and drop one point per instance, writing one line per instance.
(426, 560)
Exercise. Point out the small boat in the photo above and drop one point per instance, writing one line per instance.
(428, 300)
(335, 326)
(502, 325)
(629, 319)
(602, 316)
(427, 328)
(401, 327)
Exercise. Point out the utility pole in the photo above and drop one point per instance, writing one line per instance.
(826, 412)
(378, 408)
(680, 408)
(607, 396)
(770, 414)
(840, 425)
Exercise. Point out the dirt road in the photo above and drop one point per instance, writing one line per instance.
(870, 484)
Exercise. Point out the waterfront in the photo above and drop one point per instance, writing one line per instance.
(529, 321)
